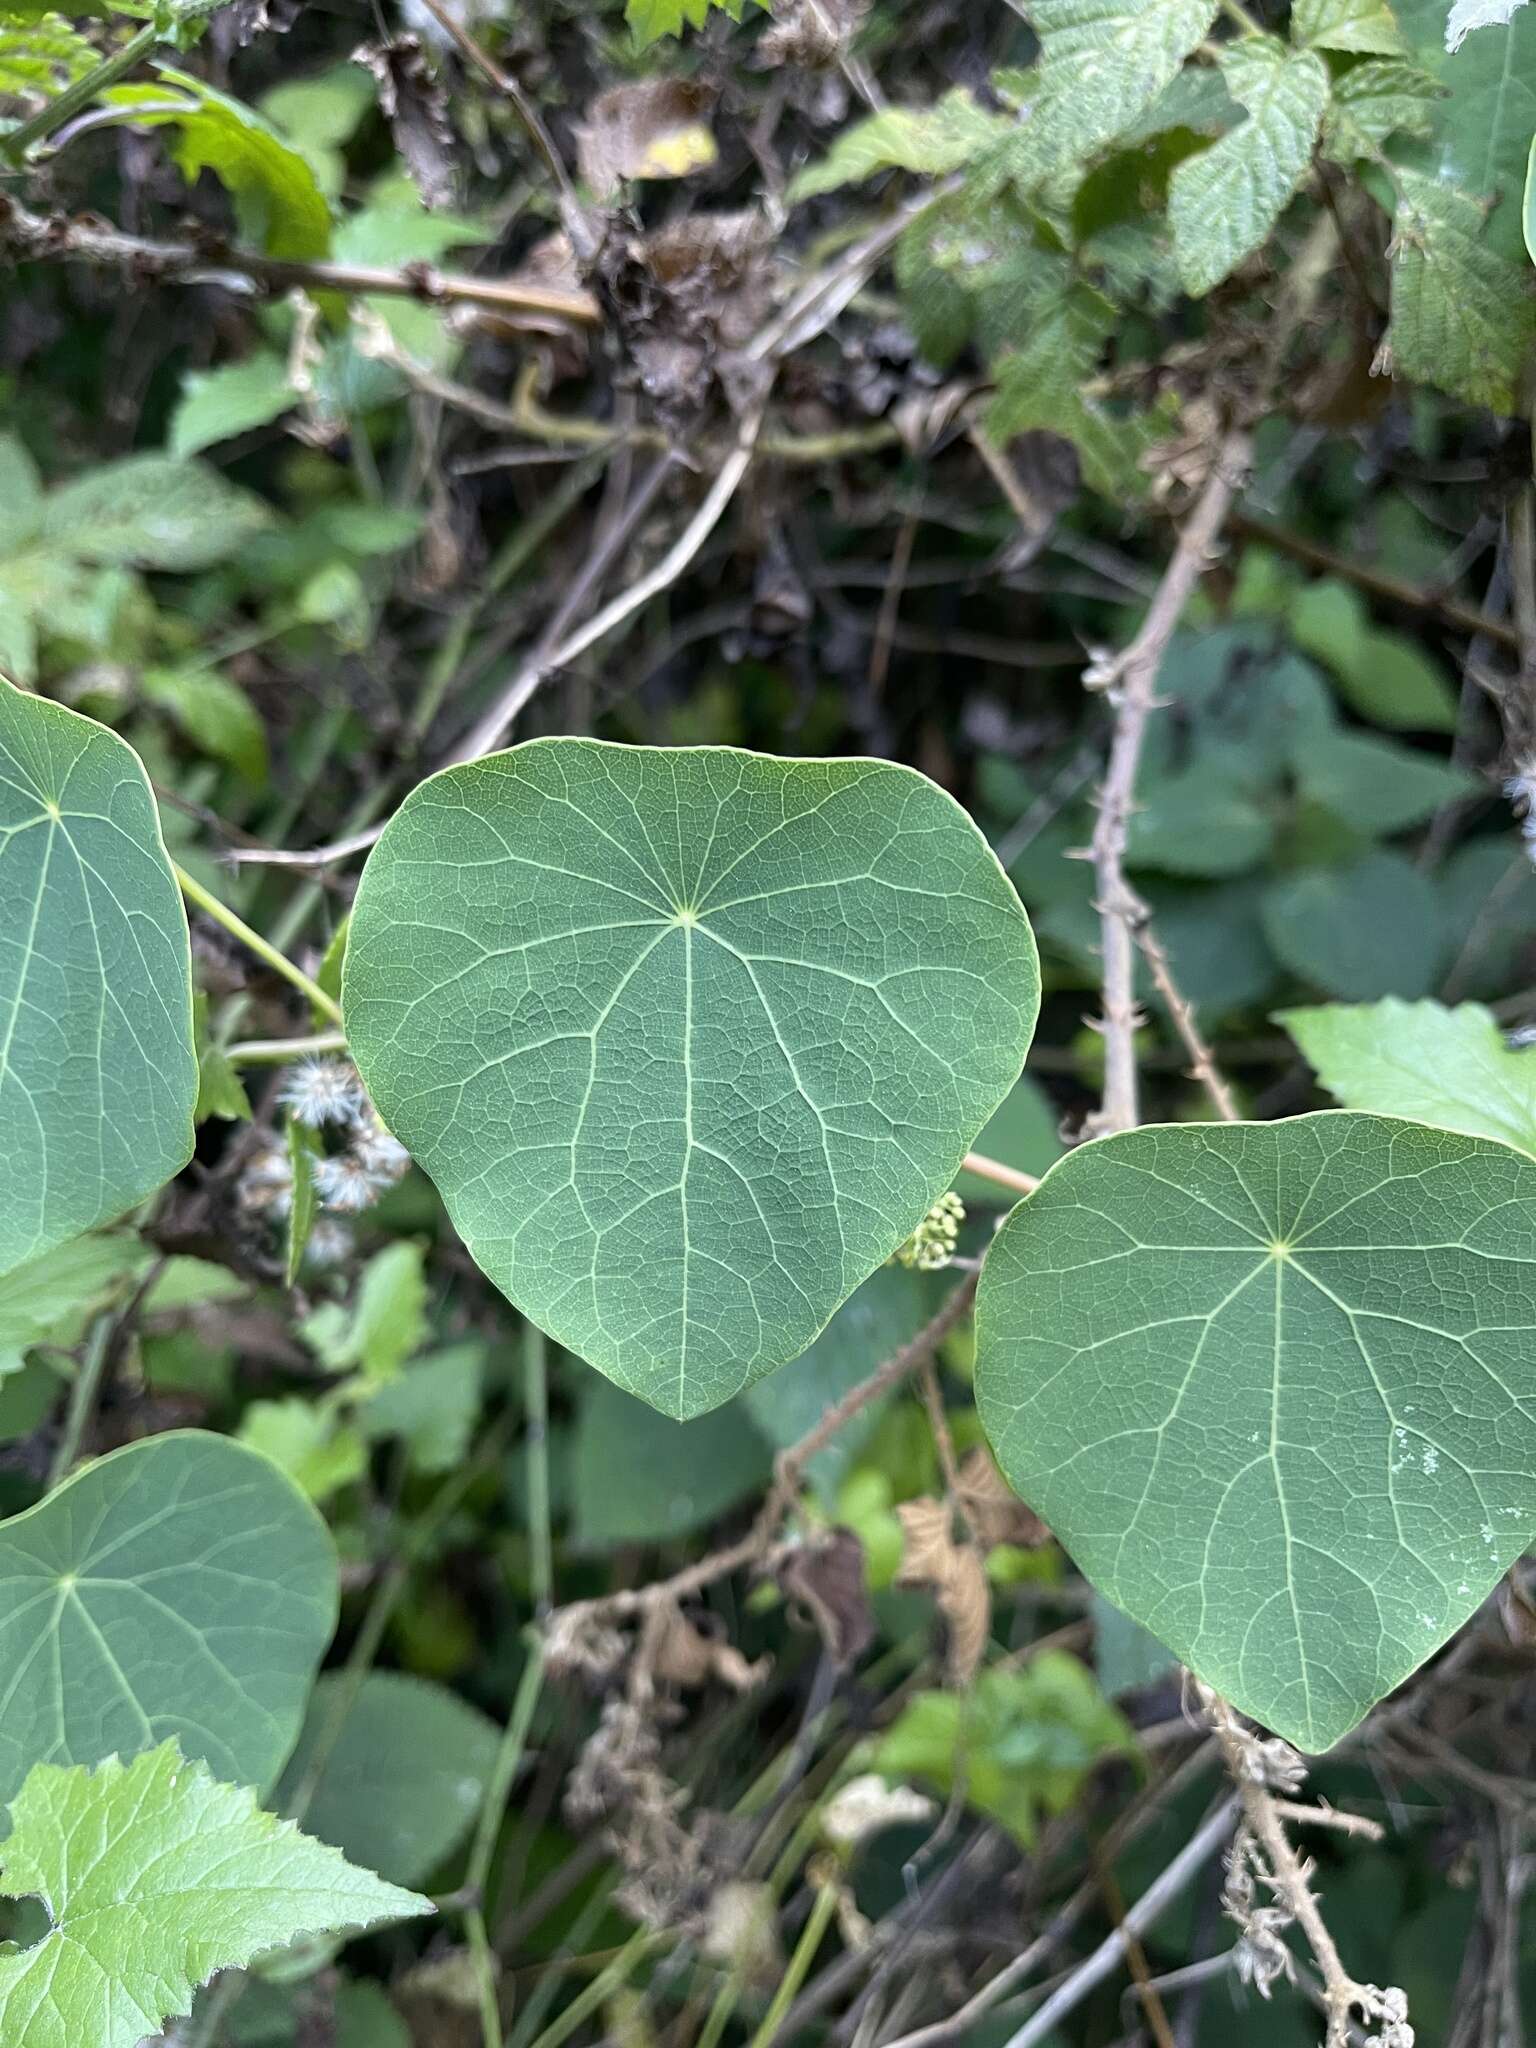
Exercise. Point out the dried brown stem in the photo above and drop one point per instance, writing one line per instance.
(759, 1540)
(1181, 1011)
(34, 237)
(1130, 679)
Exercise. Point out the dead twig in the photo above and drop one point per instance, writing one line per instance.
(1130, 681)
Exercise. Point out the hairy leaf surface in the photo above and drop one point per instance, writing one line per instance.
(181, 1587)
(98, 1077)
(1274, 1387)
(154, 1877)
(689, 1039)
(1224, 202)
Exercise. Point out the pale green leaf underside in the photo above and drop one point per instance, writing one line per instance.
(688, 1038)
(98, 1077)
(1274, 1387)
(155, 1877)
(1450, 1067)
(181, 1588)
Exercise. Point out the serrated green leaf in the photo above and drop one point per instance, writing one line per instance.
(676, 1107)
(216, 404)
(386, 1322)
(1482, 129)
(180, 1587)
(650, 20)
(98, 1077)
(1463, 318)
(1366, 27)
(51, 1299)
(1015, 1744)
(1039, 384)
(155, 1877)
(432, 1406)
(1373, 102)
(402, 1779)
(1372, 928)
(43, 57)
(1102, 64)
(215, 714)
(1450, 1067)
(1225, 202)
(308, 1441)
(220, 1091)
(272, 183)
(1272, 1385)
(929, 141)
(153, 512)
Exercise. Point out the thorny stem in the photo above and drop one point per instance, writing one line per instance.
(1131, 680)
(39, 237)
(1291, 1878)
(1181, 1011)
(760, 1538)
(237, 927)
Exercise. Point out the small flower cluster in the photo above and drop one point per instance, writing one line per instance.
(327, 1095)
(932, 1245)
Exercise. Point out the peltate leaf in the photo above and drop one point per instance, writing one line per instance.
(1451, 1067)
(179, 1587)
(1274, 1387)
(98, 1077)
(273, 184)
(1224, 203)
(154, 1877)
(1462, 314)
(689, 1039)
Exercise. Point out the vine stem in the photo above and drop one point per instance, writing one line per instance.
(277, 1052)
(82, 1398)
(811, 1937)
(508, 1757)
(237, 927)
(74, 98)
(994, 1170)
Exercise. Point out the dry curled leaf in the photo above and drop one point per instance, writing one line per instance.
(653, 128)
(811, 34)
(993, 1509)
(827, 1577)
(932, 1557)
(415, 104)
(683, 1655)
(867, 1804)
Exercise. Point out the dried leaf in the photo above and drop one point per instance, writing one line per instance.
(415, 104)
(993, 1509)
(685, 1656)
(653, 128)
(932, 1557)
(828, 1577)
(866, 1805)
(811, 34)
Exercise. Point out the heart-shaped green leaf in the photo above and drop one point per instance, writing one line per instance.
(98, 1078)
(1274, 1387)
(180, 1587)
(688, 1038)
